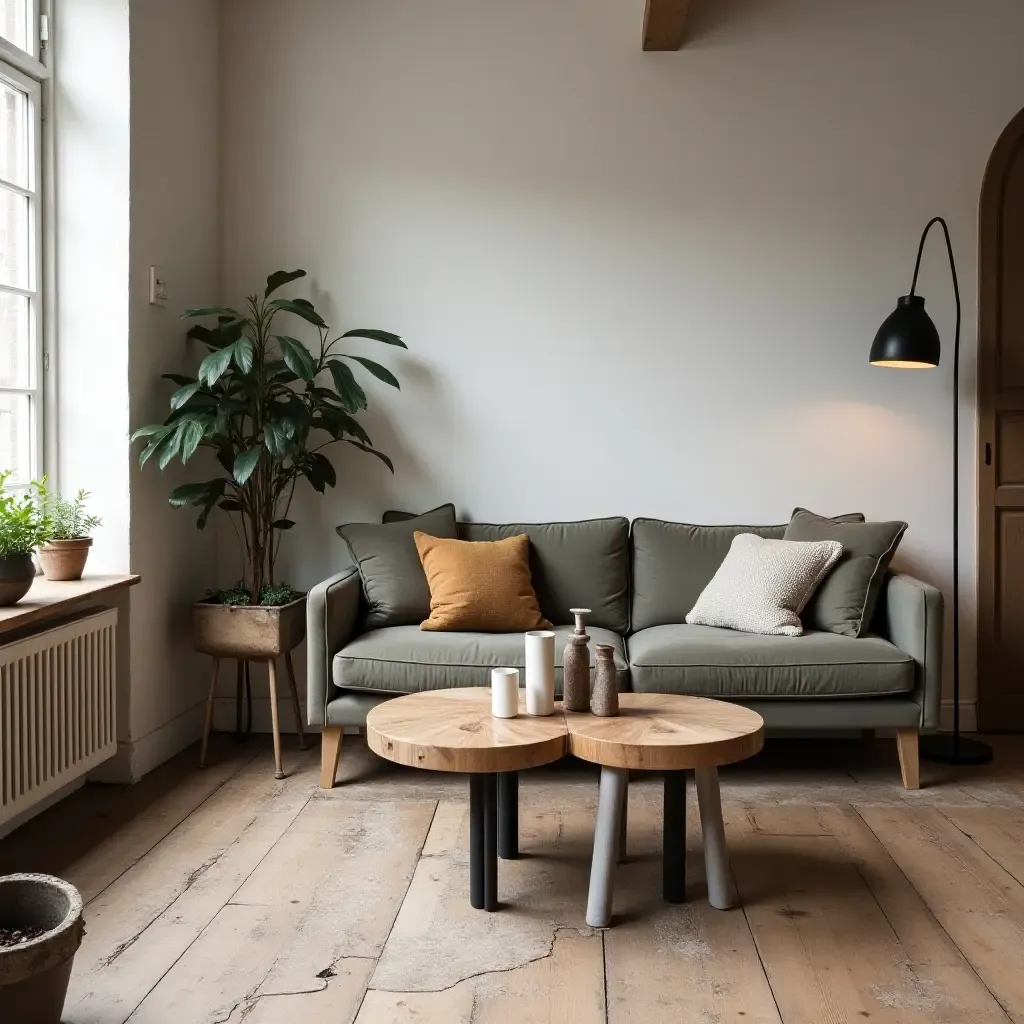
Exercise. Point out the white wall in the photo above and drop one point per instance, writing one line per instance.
(137, 158)
(674, 263)
(175, 204)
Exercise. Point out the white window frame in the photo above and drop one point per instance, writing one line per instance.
(29, 72)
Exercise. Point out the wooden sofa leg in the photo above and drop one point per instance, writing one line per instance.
(906, 743)
(330, 753)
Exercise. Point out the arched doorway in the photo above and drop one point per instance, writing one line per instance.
(1001, 423)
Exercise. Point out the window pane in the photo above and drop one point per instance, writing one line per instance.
(16, 437)
(14, 22)
(14, 245)
(15, 344)
(14, 135)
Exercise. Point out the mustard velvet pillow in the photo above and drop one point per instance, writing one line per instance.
(481, 586)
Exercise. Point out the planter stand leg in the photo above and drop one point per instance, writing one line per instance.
(295, 698)
(272, 674)
(209, 712)
(239, 685)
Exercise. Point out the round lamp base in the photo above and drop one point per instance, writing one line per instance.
(948, 749)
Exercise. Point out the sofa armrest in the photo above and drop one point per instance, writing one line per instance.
(912, 619)
(332, 609)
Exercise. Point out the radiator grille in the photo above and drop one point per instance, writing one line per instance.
(57, 709)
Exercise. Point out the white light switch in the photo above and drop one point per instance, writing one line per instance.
(157, 286)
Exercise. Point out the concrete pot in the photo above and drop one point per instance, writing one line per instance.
(64, 559)
(248, 631)
(16, 575)
(34, 975)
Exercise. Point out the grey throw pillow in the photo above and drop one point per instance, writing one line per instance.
(393, 579)
(846, 598)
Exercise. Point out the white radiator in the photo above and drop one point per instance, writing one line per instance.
(57, 709)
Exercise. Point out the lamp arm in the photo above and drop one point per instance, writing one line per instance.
(956, 467)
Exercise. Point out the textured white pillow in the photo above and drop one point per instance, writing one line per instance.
(763, 585)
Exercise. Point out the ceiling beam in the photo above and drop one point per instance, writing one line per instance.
(665, 24)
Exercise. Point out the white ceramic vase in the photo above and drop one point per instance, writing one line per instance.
(540, 672)
(504, 692)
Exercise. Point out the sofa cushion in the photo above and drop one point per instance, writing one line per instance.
(404, 659)
(712, 662)
(582, 564)
(674, 562)
(846, 600)
(393, 579)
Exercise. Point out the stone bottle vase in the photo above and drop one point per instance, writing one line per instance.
(604, 700)
(64, 559)
(576, 673)
(34, 975)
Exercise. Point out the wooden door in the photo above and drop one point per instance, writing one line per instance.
(1001, 414)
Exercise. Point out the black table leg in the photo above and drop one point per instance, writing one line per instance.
(674, 840)
(483, 842)
(508, 815)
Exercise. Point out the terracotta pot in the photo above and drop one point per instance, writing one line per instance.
(16, 575)
(34, 975)
(64, 559)
(248, 631)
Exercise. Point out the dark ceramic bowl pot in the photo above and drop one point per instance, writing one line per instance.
(16, 575)
(34, 975)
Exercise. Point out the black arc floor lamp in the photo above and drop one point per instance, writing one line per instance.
(908, 340)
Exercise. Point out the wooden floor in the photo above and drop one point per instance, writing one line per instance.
(224, 896)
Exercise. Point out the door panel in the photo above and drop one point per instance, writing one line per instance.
(1001, 421)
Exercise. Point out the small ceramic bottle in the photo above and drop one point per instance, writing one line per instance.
(604, 700)
(576, 666)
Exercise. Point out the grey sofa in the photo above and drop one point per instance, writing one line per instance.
(640, 580)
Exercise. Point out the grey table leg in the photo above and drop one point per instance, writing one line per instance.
(623, 828)
(607, 831)
(721, 891)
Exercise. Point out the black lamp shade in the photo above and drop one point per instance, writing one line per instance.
(907, 338)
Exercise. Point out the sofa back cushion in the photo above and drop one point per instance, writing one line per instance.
(394, 583)
(580, 564)
(674, 562)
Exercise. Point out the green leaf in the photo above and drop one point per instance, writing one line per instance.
(183, 394)
(300, 307)
(352, 395)
(230, 505)
(380, 372)
(217, 337)
(297, 357)
(245, 463)
(150, 431)
(211, 311)
(277, 440)
(324, 468)
(171, 444)
(283, 524)
(242, 354)
(191, 435)
(151, 448)
(352, 426)
(213, 367)
(180, 379)
(372, 451)
(195, 493)
(280, 278)
(374, 335)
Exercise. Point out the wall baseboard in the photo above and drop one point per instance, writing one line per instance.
(968, 716)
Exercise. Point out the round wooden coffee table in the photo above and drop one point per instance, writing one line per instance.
(662, 732)
(454, 731)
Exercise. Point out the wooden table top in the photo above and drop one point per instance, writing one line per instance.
(48, 599)
(454, 731)
(666, 732)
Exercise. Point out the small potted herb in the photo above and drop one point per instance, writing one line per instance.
(63, 556)
(23, 528)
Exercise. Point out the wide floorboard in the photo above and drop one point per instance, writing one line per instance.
(226, 897)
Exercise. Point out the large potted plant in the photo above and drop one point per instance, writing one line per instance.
(64, 554)
(23, 528)
(267, 405)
